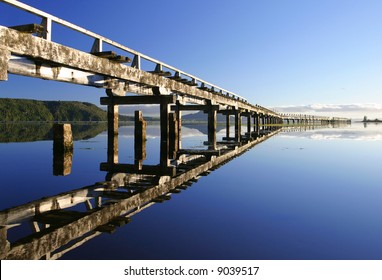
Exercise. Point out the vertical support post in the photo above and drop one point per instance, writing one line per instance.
(112, 133)
(179, 127)
(173, 136)
(47, 24)
(237, 126)
(62, 149)
(249, 125)
(97, 46)
(136, 62)
(62, 137)
(5, 55)
(227, 126)
(212, 127)
(139, 139)
(164, 132)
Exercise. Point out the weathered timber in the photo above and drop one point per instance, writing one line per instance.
(139, 139)
(62, 137)
(32, 28)
(198, 152)
(21, 44)
(62, 162)
(173, 136)
(204, 108)
(5, 55)
(137, 100)
(112, 133)
(132, 168)
(112, 56)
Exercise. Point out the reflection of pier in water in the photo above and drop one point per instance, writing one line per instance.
(64, 222)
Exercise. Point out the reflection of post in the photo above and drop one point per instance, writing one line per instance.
(4, 243)
(62, 162)
(212, 127)
(112, 133)
(139, 139)
(164, 132)
(237, 126)
(173, 136)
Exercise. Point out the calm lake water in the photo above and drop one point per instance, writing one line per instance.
(301, 194)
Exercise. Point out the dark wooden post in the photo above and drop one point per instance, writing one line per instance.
(173, 136)
(5, 55)
(227, 126)
(179, 125)
(237, 126)
(62, 149)
(164, 132)
(139, 139)
(112, 133)
(212, 114)
(249, 125)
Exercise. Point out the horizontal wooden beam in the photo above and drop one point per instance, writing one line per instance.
(132, 168)
(137, 100)
(195, 107)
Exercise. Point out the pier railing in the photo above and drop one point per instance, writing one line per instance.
(98, 46)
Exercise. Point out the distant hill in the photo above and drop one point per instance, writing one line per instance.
(34, 110)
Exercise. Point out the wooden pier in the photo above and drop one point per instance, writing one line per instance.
(28, 50)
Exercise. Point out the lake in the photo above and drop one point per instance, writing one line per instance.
(303, 193)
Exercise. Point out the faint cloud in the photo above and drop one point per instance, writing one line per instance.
(363, 108)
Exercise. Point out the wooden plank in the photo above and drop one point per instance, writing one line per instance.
(29, 28)
(112, 56)
(137, 100)
(198, 152)
(132, 168)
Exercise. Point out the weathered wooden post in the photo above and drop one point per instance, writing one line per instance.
(173, 136)
(112, 132)
(164, 131)
(237, 125)
(249, 124)
(139, 139)
(62, 149)
(212, 116)
(178, 113)
(5, 55)
(62, 137)
(227, 125)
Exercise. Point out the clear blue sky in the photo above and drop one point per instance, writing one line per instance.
(273, 52)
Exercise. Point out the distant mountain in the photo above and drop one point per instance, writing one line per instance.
(34, 110)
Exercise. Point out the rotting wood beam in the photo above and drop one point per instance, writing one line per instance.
(137, 100)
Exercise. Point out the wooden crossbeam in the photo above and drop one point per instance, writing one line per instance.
(29, 28)
(112, 56)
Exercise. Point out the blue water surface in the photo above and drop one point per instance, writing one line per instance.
(305, 194)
